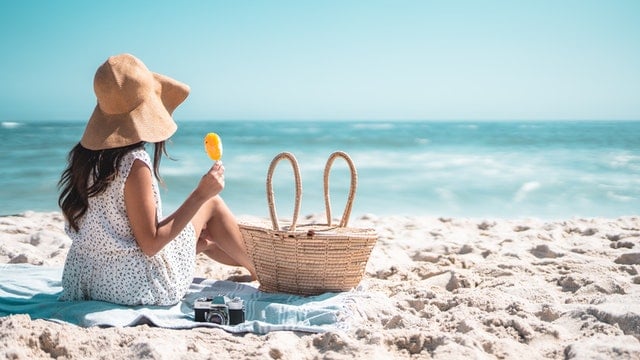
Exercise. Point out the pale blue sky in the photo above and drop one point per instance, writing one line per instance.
(432, 60)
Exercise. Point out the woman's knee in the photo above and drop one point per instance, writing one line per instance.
(205, 213)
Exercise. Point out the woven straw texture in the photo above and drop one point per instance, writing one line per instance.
(308, 259)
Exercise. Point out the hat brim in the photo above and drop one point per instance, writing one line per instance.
(172, 93)
(151, 121)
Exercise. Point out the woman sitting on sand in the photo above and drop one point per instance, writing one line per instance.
(123, 250)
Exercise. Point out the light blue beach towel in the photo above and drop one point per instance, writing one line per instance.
(34, 290)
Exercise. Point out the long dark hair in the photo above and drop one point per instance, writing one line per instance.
(98, 168)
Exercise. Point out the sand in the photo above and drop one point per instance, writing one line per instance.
(440, 288)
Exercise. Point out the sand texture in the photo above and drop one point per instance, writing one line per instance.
(440, 288)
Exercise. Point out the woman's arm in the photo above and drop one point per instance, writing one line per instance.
(141, 208)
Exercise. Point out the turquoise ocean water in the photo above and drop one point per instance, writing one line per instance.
(507, 169)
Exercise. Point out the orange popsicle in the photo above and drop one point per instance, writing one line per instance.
(213, 146)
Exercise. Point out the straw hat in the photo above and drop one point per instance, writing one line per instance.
(134, 104)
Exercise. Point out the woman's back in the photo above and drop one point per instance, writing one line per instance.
(105, 262)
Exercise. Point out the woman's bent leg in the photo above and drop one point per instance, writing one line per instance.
(224, 241)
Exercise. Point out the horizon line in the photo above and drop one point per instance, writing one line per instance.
(346, 120)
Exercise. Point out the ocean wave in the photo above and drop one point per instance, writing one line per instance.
(525, 189)
(556, 169)
(626, 161)
(373, 126)
(621, 198)
(10, 124)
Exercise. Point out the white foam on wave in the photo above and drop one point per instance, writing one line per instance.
(373, 126)
(621, 198)
(10, 124)
(625, 161)
(525, 189)
(253, 159)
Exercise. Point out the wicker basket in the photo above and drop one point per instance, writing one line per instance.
(308, 259)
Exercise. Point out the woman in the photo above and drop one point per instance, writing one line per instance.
(123, 250)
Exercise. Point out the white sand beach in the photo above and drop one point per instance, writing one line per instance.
(440, 288)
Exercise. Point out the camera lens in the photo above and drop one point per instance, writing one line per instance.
(216, 318)
(218, 314)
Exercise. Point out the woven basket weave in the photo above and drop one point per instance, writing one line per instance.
(308, 259)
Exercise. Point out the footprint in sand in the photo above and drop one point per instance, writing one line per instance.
(570, 284)
(621, 244)
(543, 251)
(628, 259)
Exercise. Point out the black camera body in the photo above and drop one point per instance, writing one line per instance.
(219, 310)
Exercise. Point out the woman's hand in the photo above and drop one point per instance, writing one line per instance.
(212, 182)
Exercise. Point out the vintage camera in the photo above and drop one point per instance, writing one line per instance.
(219, 310)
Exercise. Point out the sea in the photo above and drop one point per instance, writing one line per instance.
(474, 169)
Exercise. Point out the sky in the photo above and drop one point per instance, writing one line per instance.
(332, 60)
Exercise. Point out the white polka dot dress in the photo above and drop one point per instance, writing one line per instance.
(105, 262)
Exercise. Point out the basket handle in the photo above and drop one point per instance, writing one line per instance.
(270, 197)
(352, 188)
